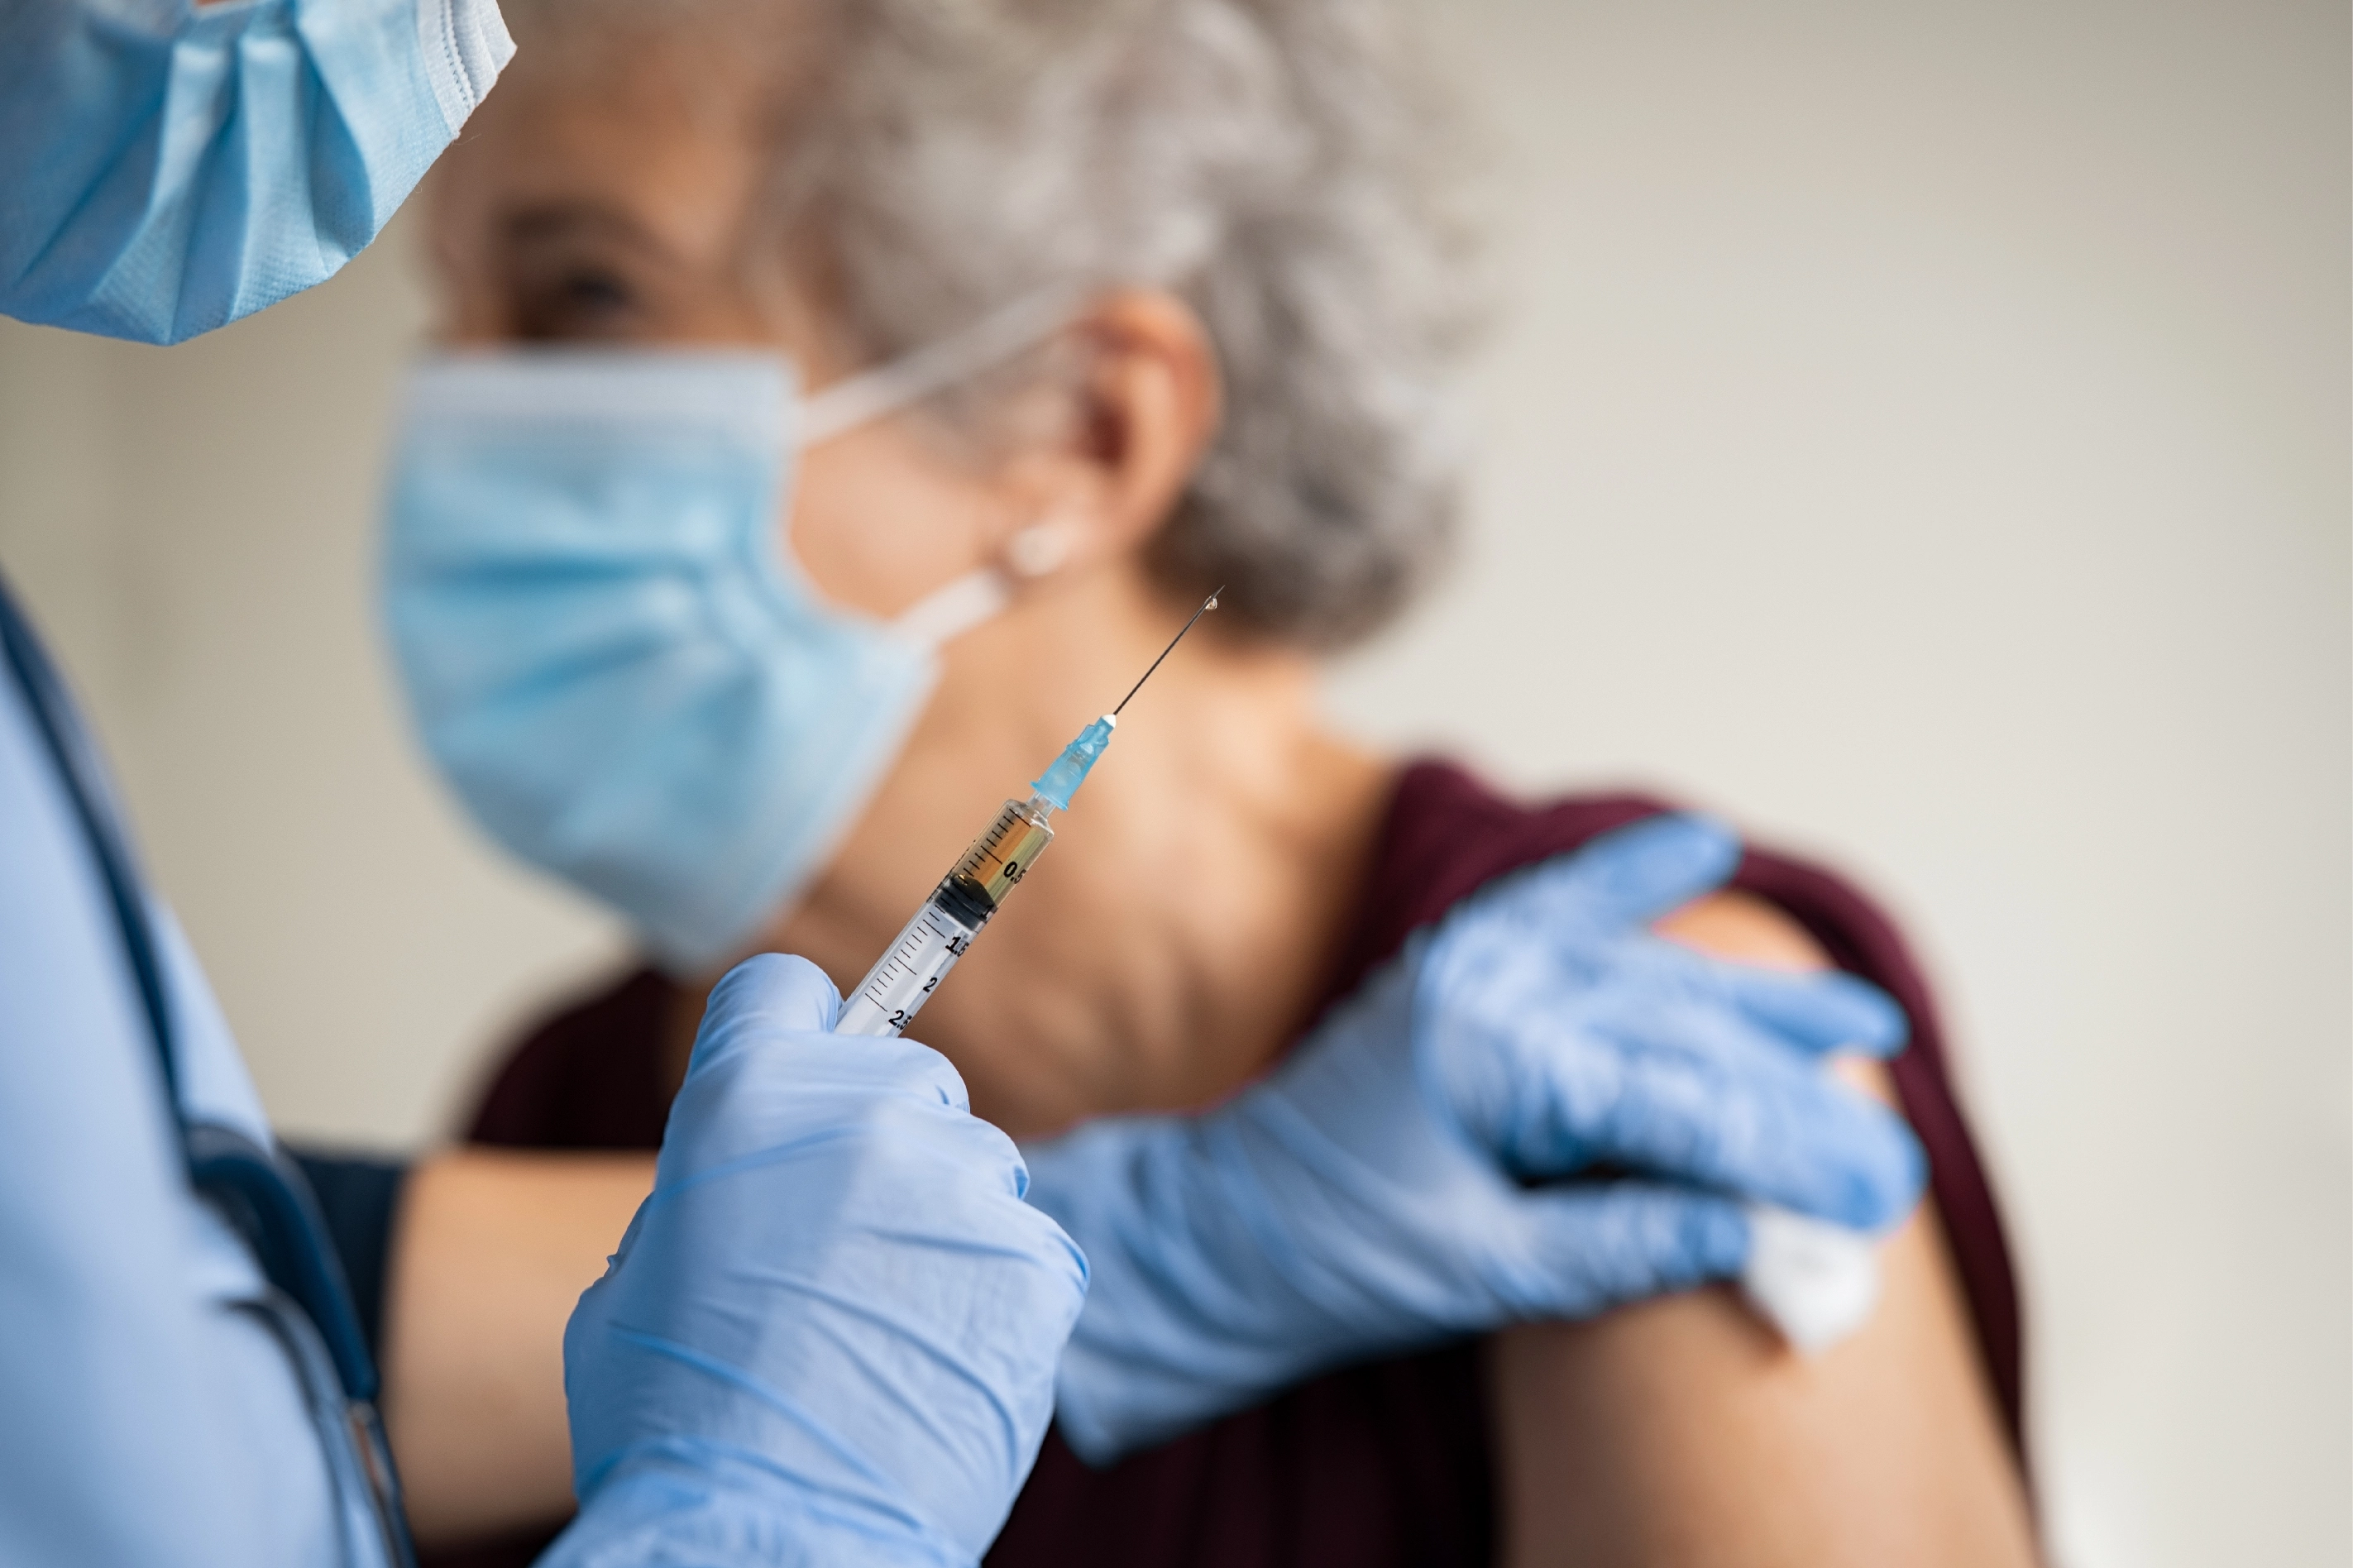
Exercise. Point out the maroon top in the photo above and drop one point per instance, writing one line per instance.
(1375, 1465)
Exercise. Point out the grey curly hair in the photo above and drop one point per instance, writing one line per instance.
(1281, 165)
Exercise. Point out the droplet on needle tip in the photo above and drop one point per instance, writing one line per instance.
(1206, 606)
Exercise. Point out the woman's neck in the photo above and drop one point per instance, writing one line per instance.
(1192, 902)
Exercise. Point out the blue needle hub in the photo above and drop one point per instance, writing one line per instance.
(1061, 781)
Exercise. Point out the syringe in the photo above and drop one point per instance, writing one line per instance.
(972, 892)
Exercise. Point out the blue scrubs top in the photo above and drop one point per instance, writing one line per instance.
(164, 169)
(161, 173)
(160, 1403)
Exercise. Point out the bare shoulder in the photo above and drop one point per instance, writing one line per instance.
(1682, 1431)
(1744, 927)
(1746, 930)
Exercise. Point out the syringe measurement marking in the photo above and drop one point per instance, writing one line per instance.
(987, 865)
(986, 848)
(899, 967)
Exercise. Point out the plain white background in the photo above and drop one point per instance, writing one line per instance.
(1921, 433)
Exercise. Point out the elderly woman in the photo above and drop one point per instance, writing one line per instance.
(1167, 293)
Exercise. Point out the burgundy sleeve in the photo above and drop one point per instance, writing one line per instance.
(587, 1076)
(1449, 834)
(1386, 1465)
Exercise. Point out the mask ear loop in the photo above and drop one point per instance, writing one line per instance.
(978, 595)
(948, 612)
(958, 357)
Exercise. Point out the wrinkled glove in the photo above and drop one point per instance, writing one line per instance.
(830, 1334)
(1371, 1194)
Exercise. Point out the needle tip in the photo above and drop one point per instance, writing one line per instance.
(1206, 606)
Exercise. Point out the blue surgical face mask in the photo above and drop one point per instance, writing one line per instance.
(606, 648)
(169, 169)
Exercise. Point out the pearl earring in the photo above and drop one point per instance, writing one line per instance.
(1041, 548)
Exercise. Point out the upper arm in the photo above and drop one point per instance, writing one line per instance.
(1681, 1430)
(491, 1251)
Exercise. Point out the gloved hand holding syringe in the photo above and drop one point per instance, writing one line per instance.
(1809, 1274)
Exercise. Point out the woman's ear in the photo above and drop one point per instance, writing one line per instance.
(1144, 409)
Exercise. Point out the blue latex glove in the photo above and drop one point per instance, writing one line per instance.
(830, 1334)
(166, 169)
(1368, 1195)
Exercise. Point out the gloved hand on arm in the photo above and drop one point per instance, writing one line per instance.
(830, 1334)
(1372, 1193)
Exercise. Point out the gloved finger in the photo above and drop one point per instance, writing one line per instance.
(1825, 1010)
(1593, 1246)
(769, 993)
(960, 1147)
(1698, 1094)
(771, 1096)
(1629, 876)
(1751, 1118)
(767, 1068)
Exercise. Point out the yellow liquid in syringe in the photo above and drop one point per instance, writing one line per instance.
(912, 968)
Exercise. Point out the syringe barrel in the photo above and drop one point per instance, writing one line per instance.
(912, 968)
(997, 860)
